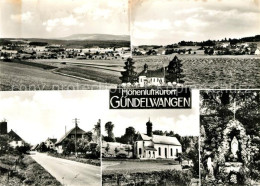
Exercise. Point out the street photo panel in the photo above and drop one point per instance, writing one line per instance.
(199, 44)
(50, 138)
(229, 137)
(151, 146)
(63, 44)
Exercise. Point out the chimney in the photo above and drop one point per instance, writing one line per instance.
(149, 128)
(3, 127)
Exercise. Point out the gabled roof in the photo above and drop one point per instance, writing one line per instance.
(157, 139)
(14, 136)
(72, 131)
(153, 73)
(53, 140)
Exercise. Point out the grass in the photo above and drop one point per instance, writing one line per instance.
(27, 172)
(95, 162)
(211, 71)
(15, 76)
(39, 65)
(152, 178)
(91, 73)
(112, 167)
(200, 72)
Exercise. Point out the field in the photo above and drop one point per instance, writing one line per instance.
(17, 76)
(211, 71)
(111, 167)
(69, 74)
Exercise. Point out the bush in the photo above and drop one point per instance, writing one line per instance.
(166, 177)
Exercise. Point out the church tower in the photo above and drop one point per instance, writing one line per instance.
(149, 128)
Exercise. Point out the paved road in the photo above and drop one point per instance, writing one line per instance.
(68, 172)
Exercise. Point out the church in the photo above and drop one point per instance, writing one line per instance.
(150, 146)
(151, 77)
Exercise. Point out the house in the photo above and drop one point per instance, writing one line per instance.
(255, 51)
(15, 139)
(50, 143)
(151, 77)
(74, 132)
(150, 146)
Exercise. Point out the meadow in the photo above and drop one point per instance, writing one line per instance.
(203, 71)
(131, 166)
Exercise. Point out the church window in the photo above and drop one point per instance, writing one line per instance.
(159, 151)
(171, 151)
(140, 151)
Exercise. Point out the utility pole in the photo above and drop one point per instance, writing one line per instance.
(76, 126)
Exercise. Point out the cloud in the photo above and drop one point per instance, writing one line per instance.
(100, 13)
(24, 17)
(139, 34)
(66, 21)
(154, 24)
(193, 20)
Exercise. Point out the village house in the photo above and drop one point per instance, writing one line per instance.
(15, 139)
(50, 143)
(71, 134)
(151, 77)
(150, 146)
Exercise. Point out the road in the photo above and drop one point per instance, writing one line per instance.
(69, 173)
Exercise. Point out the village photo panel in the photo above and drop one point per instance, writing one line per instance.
(151, 146)
(51, 137)
(196, 43)
(229, 137)
(63, 44)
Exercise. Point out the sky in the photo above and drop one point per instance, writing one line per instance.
(61, 18)
(37, 115)
(163, 22)
(185, 122)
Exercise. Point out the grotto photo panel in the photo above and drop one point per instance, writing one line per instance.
(229, 137)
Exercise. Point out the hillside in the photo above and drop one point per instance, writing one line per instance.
(97, 37)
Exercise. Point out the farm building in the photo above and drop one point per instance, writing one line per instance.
(149, 77)
(70, 135)
(256, 51)
(149, 146)
(50, 143)
(16, 140)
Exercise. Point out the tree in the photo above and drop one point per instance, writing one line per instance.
(43, 147)
(116, 150)
(4, 144)
(175, 71)
(129, 75)
(89, 136)
(158, 132)
(130, 134)
(109, 126)
(107, 148)
(97, 131)
(68, 146)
